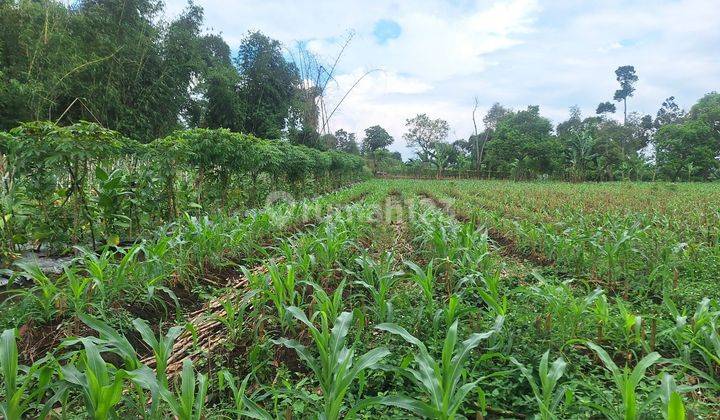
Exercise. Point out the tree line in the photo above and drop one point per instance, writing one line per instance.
(118, 64)
(522, 144)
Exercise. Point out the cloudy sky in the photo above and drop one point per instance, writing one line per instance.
(435, 56)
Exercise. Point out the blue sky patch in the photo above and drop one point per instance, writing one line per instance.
(385, 30)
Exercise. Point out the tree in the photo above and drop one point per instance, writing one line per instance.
(524, 145)
(428, 136)
(328, 141)
(625, 75)
(490, 120)
(605, 108)
(267, 89)
(219, 81)
(572, 125)
(669, 113)
(346, 142)
(376, 138)
(687, 150)
(707, 109)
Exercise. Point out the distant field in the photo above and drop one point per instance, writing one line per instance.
(389, 298)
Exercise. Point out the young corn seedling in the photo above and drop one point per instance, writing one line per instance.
(100, 383)
(233, 316)
(22, 391)
(330, 305)
(673, 407)
(378, 281)
(335, 366)
(439, 380)
(161, 346)
(626, 382)
(78, 296)
(451, 313)
(44, 293)
(547, 394)
(244, 406)
(425, 278)
(497, 303)
(142, 377)
(189, 402)
(282, 290)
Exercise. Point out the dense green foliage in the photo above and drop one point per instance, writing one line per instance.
(524, 145)
(83, 184)
(432, 299)
(120, 65)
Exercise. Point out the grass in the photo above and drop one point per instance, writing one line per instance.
(356, 304)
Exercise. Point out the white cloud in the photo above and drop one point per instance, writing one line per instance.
(518, 52)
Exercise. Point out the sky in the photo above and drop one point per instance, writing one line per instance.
(436, 57)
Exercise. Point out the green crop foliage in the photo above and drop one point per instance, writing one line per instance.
(189, 402)
(626, 382)
(336, 366)
(548, 395)
(179, 308)
(440, 380)
(22, 387)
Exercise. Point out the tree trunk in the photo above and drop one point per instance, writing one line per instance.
(625, 111)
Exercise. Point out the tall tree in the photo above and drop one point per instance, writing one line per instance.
(605, 108)
(376, 138)
(626, 76)
(573, 124)
(429, 138)
(268, 87)
(707, 109)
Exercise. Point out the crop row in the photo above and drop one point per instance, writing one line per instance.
(83, 184)
(336, 319)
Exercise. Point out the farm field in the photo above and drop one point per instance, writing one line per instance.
(385, 298)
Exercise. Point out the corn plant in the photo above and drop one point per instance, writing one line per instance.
(330, 305)
(110, 339)
(79, 293)
(23, 386)
(626, 382)
(161, 346)
(378, 280)
(491, 295)
(452, 312)
(562, 304)
(335, 366)
(629, 323)
(282, 290)
(475, 248)
(44, 293)
(330, 241)
(100, 383)
(142, 377)
(547, 395)
(425, 278)
(601, 311)
(233, 315)
(189, 402)
(243, 405)
(673, 407)
(697, 334)
(439, 380)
